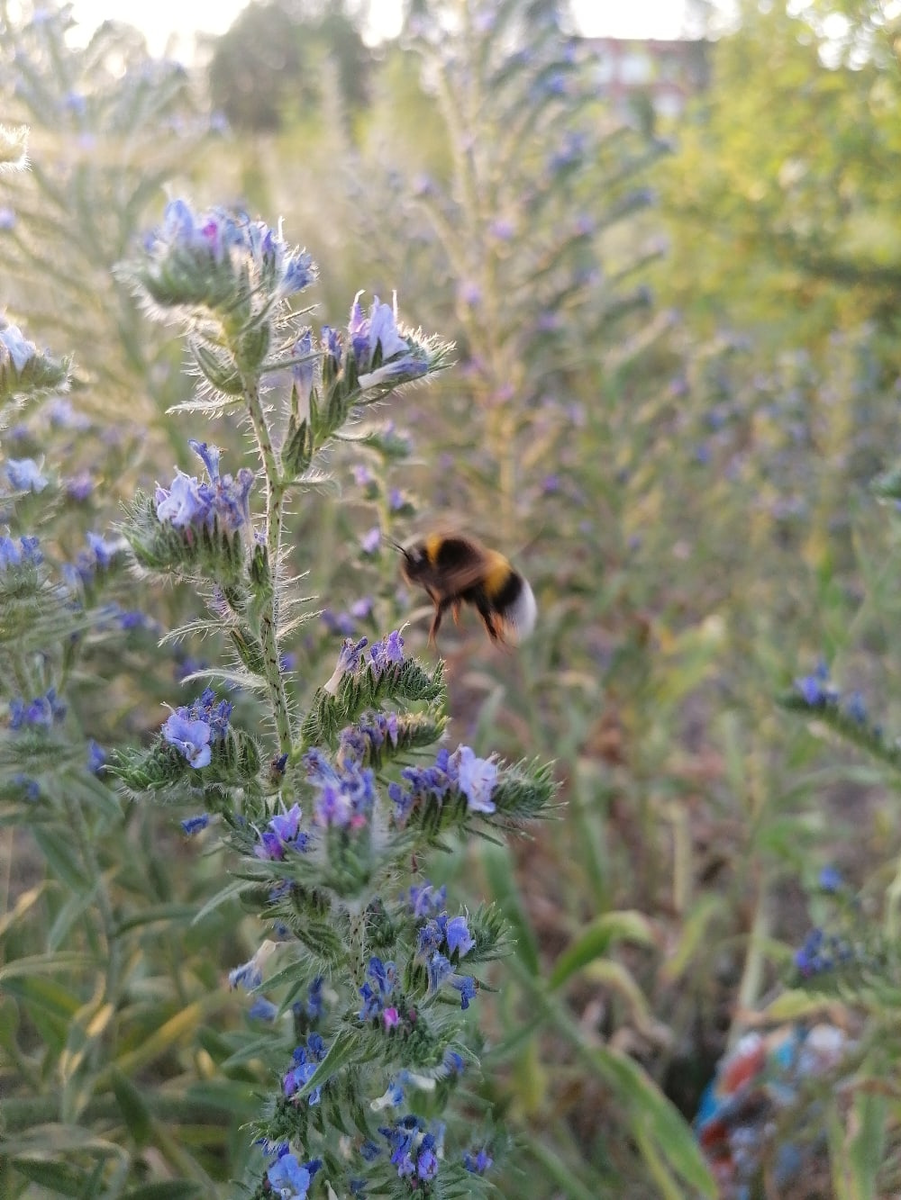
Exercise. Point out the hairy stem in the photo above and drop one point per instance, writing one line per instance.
(275, 496)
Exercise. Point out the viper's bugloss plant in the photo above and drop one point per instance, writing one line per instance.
(366, 976)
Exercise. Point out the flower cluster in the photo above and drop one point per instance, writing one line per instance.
(208, 258)
(306, 1060)
(26, 553)
(283, 834)
(190, 504)
(461, 772)
(345, 794)
(415, 1149)
(376, 991)
(24, 475)
(43, 712)
(822, 952)
(382, 355)
(195, 728)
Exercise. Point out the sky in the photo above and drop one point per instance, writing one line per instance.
(159, 19)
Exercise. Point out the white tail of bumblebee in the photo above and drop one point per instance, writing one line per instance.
(520, 617)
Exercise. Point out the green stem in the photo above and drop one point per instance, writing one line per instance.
(275, 497)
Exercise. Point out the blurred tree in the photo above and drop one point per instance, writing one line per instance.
(791, 223)
(268, 66)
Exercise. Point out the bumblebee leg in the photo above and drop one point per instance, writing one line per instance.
(491, 621)
(456, 608)
(441, 607)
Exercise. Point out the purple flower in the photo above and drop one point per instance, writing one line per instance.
(249, 975)
(390, 651)
(425, 900)
(399, 370)
(80, 486)
(476, 779)
(371, 540)
(191, 738)
(283, 834)
(24, 475)
(304, 371)
(182, 504)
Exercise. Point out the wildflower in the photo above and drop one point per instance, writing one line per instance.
(371, 540)
(250, 974)
(263, 1010)
(187, 503)
(24, 475)
(15, 348)
(26, 552)
(459, 939)
(192, 825)
(830, 879)
(384, 654)
(314, 1006)
(96, 757)
(816, 689)
(43, 712)
(477, 1162)
(346, 796)
(476, 779)
(425, 899)
(381, 978)
(192, 738)
(283, 834)
(306, 1062)
(288, 1179)
(439, 969)
(304, 369)
(466, 986)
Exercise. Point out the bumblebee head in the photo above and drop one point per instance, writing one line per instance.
(415, 562)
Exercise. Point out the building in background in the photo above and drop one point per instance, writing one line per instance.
(648, 77)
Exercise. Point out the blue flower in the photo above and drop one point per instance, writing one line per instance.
(191, 738)
(182, 503)
(304, 370)
(24, 475)
(477, 1162)
(427, 1160)
(466, 986)
(192, 825)
(459, 939)
(830, 879)
(26, 552)
(439, 969)
(43, 712)
(263, 1010)
(208, 455)
(15, 348)
(288, 1179)
(381, 978)
(96, 757)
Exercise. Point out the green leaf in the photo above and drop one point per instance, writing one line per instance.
(596, 940)
(502, 883)
(132, 1108)
(171, 1189)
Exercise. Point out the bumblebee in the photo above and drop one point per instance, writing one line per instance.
(456, 570)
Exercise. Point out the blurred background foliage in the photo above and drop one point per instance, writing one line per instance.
(678, 365)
